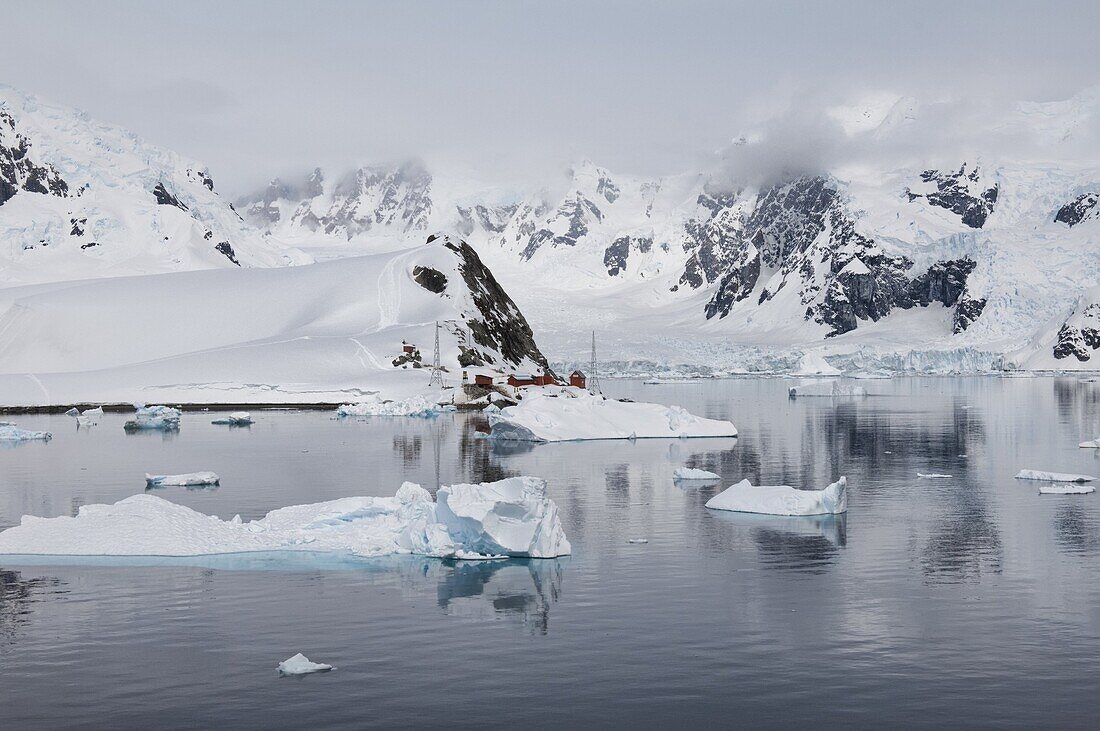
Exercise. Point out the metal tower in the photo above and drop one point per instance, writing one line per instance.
(593, 373)
(437, 369)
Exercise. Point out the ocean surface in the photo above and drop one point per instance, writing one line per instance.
(968, 601)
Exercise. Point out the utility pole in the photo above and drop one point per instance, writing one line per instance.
(593, 374)
(437, 369)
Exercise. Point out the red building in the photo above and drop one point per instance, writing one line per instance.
(483, 380)
(577, 379)
(521, 379)
(408, 347)
(544, 379)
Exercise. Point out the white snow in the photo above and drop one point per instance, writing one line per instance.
(690, 473)
(185, 480)
(302, 665)
(1066, 489)
(512, 517)
(813, 364)
(235, 418)
(827, 388)
(744, 497)
(9, 432)
(572, 414)
(1052, 476)
(164, 418)
(933, 476)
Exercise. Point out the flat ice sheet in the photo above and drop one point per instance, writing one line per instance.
(744, 497)
(185, 480)
(690, 473)
(1066, 489)
(1052, 476)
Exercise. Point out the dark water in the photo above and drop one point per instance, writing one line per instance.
(969, 601)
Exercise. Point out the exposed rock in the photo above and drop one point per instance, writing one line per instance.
(1081, 208)
(430, 279)
(227, 250)
(1071, 342)
(165, 198)
(960, 192)
(966, 312)
(18, 171)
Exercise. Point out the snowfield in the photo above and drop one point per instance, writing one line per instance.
(512, 517)
(572, 414)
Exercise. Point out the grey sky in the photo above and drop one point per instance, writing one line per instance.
(256, 89)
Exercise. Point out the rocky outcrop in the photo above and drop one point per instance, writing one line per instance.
(617, 253)
(961, 192)
(1079, 336)
(164, 198)
(1084, 207)
(574, 215)
(430, 279)
(18, 170)
(226, 250)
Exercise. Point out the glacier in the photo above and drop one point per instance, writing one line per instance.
(744, 497)
(511, 517)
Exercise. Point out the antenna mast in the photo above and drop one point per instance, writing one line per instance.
(437, 369)
(593, 373)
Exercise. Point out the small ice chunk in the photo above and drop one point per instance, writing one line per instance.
(933, 476)
(190, 479)
(1094, 444)
(9, 432)
(90, 417)
(74, 412)
(1052, 476)
(236, 418)
(782, 499)
(162, 418)
(302, 665)
(1066, 489)
(690, 473)
(638, 540)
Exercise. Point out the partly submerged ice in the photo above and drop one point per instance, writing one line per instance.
(744, 497)
(9, 432)
(572, 414)
(512, 517)
(163, 418)
(87, 418)
(1052, 476)
(375, 405)
(1094, 444)
(1066, 489)
(190, 479)
(690, 473)
(827, 388)
(235, 418)
(302, 665)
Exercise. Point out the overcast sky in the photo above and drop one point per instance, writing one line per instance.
(512, 88)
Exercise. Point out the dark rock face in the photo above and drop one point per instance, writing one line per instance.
(578, 212)
(1071, 343)
(500, 325)
(165, 198)
(18, 171)
(1081, 208)
(78, 225)
(226, 250)
(966, 312)
(961, 193)
(607, 189)
(713, 239)
(430, 279)
(1082, 337)
(617, 253)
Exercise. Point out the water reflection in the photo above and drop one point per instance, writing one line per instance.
(808, 544)
(1076, 529)
(16, 596)
(523, 589)
(964, 542)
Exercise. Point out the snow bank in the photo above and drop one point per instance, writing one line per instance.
(573, 414)
(375, 405)
(236, 418)
(1052, 476)
(781, 499)
(689, 473)
(187, 480)
(1066, 489)
(302, 665)
(827, 388)
(512, 517)
(164, 418)
(9, 432)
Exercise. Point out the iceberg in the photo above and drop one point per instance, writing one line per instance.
(512, 517)
(744, 497)
(1094, 444)
(826, 388)
(689, 473)
(89, 417)
(1052, 476)
(236, 418)
(375, 405)
(163, 418)
(1066, 489)
(190, 479)
(302, 665)
(574, 415)
(9, 432)
(933, 476)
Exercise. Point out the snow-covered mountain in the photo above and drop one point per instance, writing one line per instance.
(80, 199)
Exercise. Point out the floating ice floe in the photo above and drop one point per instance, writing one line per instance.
(9, 432)
(1052, 476)
(744, 497)
(235, 418)
(1094, 444)
(933, 476)
(573, 414)
(637, 540)
(375, 405)
(191, 479)
(690, 473)
(1066, 489)
(162, 418)
(512, 517)
(826, 388)
(302, 665)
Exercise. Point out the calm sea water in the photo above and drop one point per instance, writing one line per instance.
(967, 601)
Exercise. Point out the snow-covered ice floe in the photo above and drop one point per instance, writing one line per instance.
(933, 476)
(512, 517)
(302, 665)
(573, 414)
(191, 479)
(690, 473)
(1066, 489)
(235, 418)
(375, 405)
(163, 418)
(1052, 476)
(826, 388)
(9, 432)
(1094, 444)
(744, 497)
